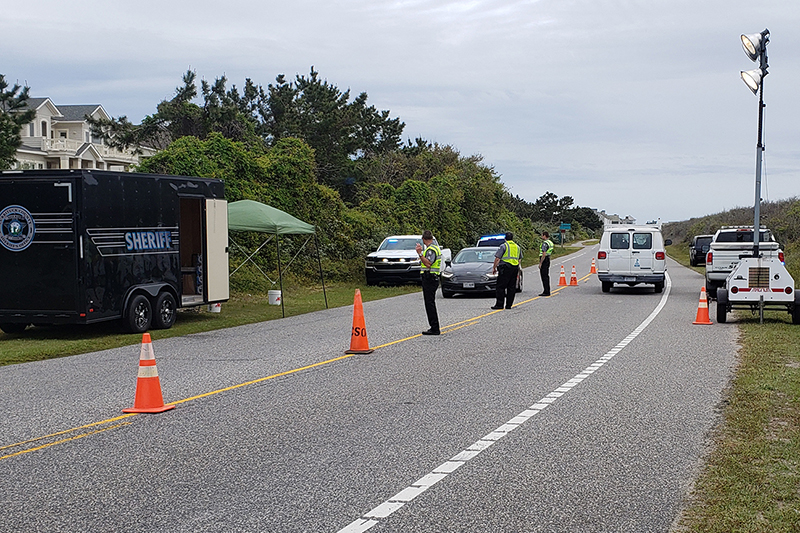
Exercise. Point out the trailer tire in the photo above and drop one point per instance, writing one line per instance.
(165, 311)
(796, 309)
(722, 306)
(139, 314)
(11, 328)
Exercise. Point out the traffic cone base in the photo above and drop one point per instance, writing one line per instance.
(573, 279)
(148, 387)
(359, 344)
(702, 310)
(562, 280)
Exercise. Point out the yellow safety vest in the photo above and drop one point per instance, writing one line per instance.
(511, 254)
(435, 267)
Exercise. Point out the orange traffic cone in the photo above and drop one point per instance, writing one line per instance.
(562, 281)
(148, 388)
(702, 309)
(358, 339)
(573, 279)
(594, 268)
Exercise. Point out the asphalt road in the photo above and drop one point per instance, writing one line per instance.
(582, 412)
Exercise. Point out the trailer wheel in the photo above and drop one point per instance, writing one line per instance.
(165, 311)
(139, 315)
(796, 309)
(12, 328)
(722, 305)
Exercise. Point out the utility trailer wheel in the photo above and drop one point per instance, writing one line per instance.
(139, 315)
(11, 328)
(722, 305)
(606, 285)
(165, 311)
(796, 309)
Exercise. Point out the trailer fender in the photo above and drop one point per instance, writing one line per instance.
(151, 289)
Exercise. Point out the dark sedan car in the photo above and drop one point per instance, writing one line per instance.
(471, 272)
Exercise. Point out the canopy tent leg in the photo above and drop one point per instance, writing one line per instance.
(321, 276)
(280, 275)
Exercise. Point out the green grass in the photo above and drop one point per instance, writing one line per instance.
(58, 341)
(750, 482)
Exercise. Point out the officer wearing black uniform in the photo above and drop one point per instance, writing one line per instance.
(431, 258)
(506, 265)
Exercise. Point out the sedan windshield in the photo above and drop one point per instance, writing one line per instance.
(475, 256)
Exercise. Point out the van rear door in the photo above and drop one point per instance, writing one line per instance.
(619, 254)
(642, 253)
(38, 247)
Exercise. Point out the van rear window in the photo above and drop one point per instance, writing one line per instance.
(620, 241)
(642, 241)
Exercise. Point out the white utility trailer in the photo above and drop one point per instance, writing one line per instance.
(758, 283)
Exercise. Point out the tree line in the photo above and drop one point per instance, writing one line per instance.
(312, 150)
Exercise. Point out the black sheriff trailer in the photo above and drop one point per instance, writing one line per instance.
(83, 246)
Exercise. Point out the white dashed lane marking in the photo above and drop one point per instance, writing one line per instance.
(408, 494)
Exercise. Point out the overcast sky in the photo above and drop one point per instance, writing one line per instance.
(631, 106)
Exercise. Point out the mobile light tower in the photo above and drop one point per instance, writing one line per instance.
(755, 46)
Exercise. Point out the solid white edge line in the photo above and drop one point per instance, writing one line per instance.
(369, 519)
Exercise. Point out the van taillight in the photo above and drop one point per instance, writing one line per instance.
(601, 255)
(709, 256)
(660, 256)
(734, 290)
(788, 290)
(780, 257)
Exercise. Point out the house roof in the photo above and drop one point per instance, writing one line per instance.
(75, 113)
(36, 103)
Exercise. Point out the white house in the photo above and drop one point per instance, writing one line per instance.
(609, 220)
(60, 137)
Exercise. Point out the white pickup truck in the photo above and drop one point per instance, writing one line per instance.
(731, 244)
(396, 260)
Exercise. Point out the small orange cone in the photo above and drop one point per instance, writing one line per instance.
(148, 388)
(562, 281)
(594, 268)
(702, 309)
(573, 279)
(358, 339)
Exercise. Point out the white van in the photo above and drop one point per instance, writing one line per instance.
(632, 255)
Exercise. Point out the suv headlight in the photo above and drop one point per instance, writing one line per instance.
(489, 277)
(447, 275)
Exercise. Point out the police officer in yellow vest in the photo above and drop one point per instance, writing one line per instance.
(544, 262)
(431, 258)
(506, 265)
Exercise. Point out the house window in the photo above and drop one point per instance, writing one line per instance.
(44, 128)
(31, 128)
(86, 135)
(62, 134)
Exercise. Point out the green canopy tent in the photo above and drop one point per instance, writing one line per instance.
(249, 215)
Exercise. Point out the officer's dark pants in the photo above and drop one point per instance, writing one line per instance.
(545, 273)
(430, 283)
(506, 284)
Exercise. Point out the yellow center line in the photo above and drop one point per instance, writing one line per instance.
(446, 329)
(76, 437)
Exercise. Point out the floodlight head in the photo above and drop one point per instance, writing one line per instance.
(752, 78)
(755, 43)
